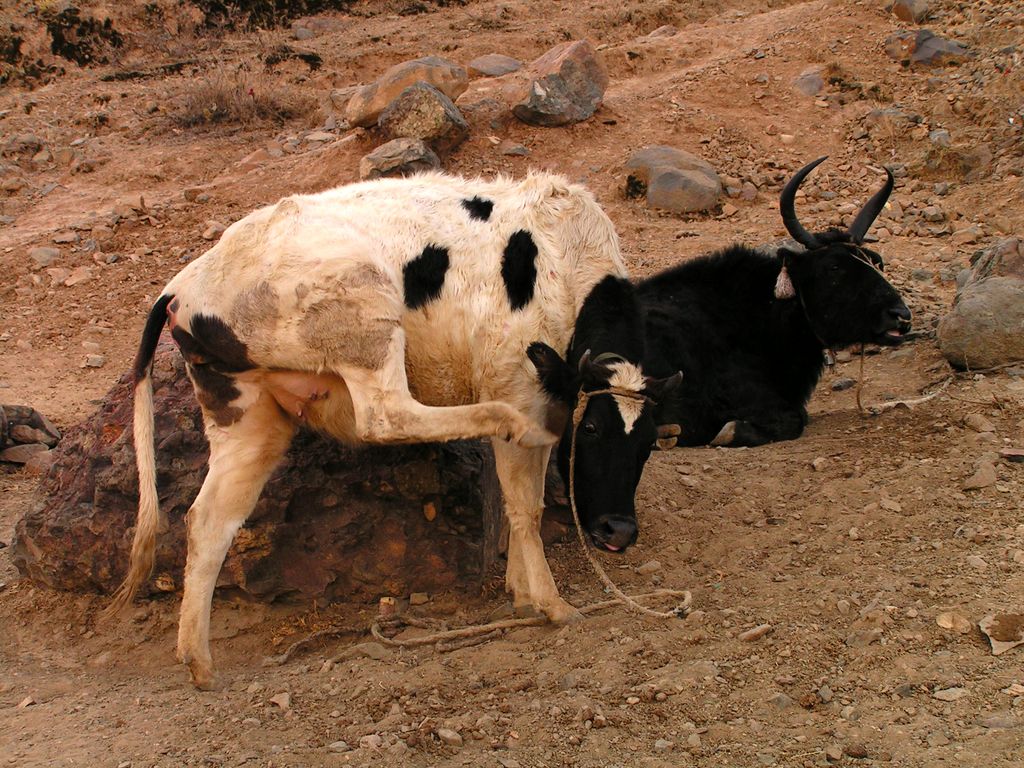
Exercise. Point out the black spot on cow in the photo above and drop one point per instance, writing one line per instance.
(519, 268)
(478, 208)
(423, 277)
(215, 391)
(219, 343)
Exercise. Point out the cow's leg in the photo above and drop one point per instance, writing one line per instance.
(521, 474)
(242, 456)
(386, 412)
(778, 421)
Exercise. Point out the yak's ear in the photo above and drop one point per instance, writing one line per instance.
(556, 376)
(658, 389)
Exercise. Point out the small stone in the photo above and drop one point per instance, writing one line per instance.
(787, 138)
(213, 231)
(819, 463)
(755, 633)
(1016, 455)
(833, 753)
(854, 533)
(663, 745)
(910, 11)
(371, 741)
(954, 621)
(842, 384)
(950, 694)
(370, 650)
(1003, 630)
(984, 476)
(319, 136)
(843, 606)
(998, 721)
(399, 157)
(28, 701)
(977, 562)
(43, 257)
(303, 33)
(419, 598)
(282, 700)
(78, 276)
(449, 737)
(978, 423)
(937, 739)
(95, 361)
(512, 149)
(67, 236)
(856, 750)
(23, 433)
(729, 209)
(862, 638)
(22, 454)
(940, 137)
(693, 741)
(809, 82)
(651, 566)
(339, 746)
(782, 701)
(492, 65)
(825, 694)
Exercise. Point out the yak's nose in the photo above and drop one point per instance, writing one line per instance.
(615, 532)
(901, 313)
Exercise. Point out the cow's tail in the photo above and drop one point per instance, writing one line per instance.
(149, 521)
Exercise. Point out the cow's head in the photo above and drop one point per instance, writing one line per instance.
(617, 430)
(838, 281)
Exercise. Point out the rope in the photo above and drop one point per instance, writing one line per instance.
(626, 600)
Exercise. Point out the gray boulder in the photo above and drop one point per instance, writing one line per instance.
(986, 325)
(672, 180)
(399, 157)
(423, 112)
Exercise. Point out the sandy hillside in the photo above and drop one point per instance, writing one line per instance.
(849, 542)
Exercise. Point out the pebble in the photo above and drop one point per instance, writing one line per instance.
(984, 476)
(663, 745)
(955, 621)
(937, 739)
(512, 149)
(95, 361)
(43, 257)
(998, 720)
(782, 701)
(856, 750)
(339, 746)
(843, 384)
(317, 136)
(843, 606)
(819, 463)
(979, 423)
(28, 701)
(214, 229)
(651, 566)
(950, 694)
(977, 562)
(449, 737)
(755, 633)
(833, 753)
(282, 700)
(419, 598)
(372, 741)
(862, 638)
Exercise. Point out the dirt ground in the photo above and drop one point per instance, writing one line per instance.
(848, 542)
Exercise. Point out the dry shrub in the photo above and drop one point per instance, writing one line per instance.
(235, 96)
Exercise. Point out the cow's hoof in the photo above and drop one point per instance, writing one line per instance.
(725, 435)
(202, 676)
(562, 613)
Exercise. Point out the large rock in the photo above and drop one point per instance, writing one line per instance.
(986, 325)
(365, 106)
(565, 85)
(672, 179)
(332, 523)
(423, 112)
(924, 48)
(399, 157)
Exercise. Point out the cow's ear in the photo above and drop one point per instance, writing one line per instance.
(556, 376)
(659, 389)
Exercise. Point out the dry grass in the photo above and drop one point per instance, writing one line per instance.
(235, 96)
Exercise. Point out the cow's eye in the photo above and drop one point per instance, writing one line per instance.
(590, 427)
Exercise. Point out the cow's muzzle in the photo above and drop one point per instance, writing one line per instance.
(614, 533)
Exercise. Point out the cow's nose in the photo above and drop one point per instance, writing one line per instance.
(616, 532)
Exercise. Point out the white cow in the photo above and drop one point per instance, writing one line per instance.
(391, 311)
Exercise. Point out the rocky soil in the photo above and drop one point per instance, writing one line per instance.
(862, 556)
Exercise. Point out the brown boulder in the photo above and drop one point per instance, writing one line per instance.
(333, 522)
(565, 85)
(364, 106)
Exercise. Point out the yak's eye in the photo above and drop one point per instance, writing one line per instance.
(590, 427)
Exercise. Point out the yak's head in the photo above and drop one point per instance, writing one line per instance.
(616, 430)
(838, 281)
